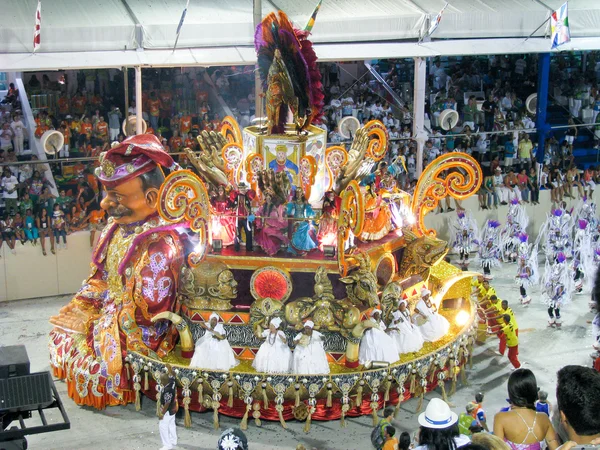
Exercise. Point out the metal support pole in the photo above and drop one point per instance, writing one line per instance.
(542, 104)
(138, 100)
(419, 110)
(126, 86)
(257, 18)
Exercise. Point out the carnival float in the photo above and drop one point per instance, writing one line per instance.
(278, 225)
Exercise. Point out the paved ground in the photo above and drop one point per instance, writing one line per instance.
(544, 350)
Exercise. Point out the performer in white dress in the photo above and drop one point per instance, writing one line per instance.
(406, 334)
(376, 345)
(213, 350)
(435, 325)
(274, 355)
(309, 354)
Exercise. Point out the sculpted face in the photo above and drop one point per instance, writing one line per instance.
(227, 285)
(281, 156)
(128, 203)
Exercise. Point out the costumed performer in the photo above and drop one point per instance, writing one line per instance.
(168, 409)
(556, 234)
(516, 223)
(583, 264)
(406, 334)
(375, 344)
(242, 205)
(274, 355)
(223, 220)
(327, 233)
(557, 288)
(271, 225)
(510, 337)
(503, 309)
(378, 218)
(527, 269)
(464, 236)
(489, 247)
(135, 273)
(303, 229)
(435, 326)
(212, 350)
(309, 355)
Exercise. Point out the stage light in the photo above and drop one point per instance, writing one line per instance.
(217, 245)
(329, 251)
(462, 318)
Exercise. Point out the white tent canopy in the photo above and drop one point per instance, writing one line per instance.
(115, 33)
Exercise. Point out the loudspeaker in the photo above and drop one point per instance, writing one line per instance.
(14, 361)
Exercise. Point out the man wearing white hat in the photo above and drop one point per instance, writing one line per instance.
(213, 350)
(436, 422)
(274, 355)
(309, 354)
(406, 334)
(376, 345)
(435, 326)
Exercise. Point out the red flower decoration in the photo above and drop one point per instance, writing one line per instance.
(272, 284)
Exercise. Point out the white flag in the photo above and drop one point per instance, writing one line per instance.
(436, 22)
(37, 31)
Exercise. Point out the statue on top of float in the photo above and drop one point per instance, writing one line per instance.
(134, 276)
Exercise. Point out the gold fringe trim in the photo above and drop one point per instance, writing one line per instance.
(256, 414)
(329, 402)
(359, 394)
(187, 419)
(297, 402)
(216, 415)
(146, 387)
(265, 398)
(308, 419)
(400, 398)
(386, 393)
(345, 408)
(279, 409)
(244, 422)
(230, 396)
(374, 406)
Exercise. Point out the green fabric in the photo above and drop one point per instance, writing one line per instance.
(464, 423)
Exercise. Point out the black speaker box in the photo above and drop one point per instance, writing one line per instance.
(14, 361)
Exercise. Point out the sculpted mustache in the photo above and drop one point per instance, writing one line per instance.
(119, 211)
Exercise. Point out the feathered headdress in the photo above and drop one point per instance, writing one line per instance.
(523, 237)
(493, 224)
(557, 212)
(461, 214)
(276, 32)
(583, 224)
(560, 257)
(514, 201)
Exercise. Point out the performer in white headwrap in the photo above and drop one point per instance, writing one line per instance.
(309, 355)
(274, 355)
(375, 344)
(406, 334)
(435, 326)
(213, 350)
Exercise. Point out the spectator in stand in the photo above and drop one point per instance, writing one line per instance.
(523, 427)
(542, 404)
(525, 148)
(378, 434)
(19, 225)
(9, 185)
(154, 107)
(78, 217)
(46, 200)
(571, 134)
(114, 122)
(86, 132)
(59, 227)
(512, 185)
(534, 187)
(578, 401)
(31, 231)
(8, 232)
(523, 185)
(66, 132)
(97, 221)
(489, 112)
(101, 131)
(18, 128)
(470, 113)
(6, 137)
(78, 104)
(480, 412)
(390, 443)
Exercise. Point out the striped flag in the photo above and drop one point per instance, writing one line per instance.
(37, 36)
(559, 22)
(436, 22)
(312, 19)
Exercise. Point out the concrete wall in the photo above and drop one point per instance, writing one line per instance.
(29, 274)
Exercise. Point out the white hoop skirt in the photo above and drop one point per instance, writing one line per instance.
(213, 354)
(310, 359)
(376, 345)
(273, 358)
